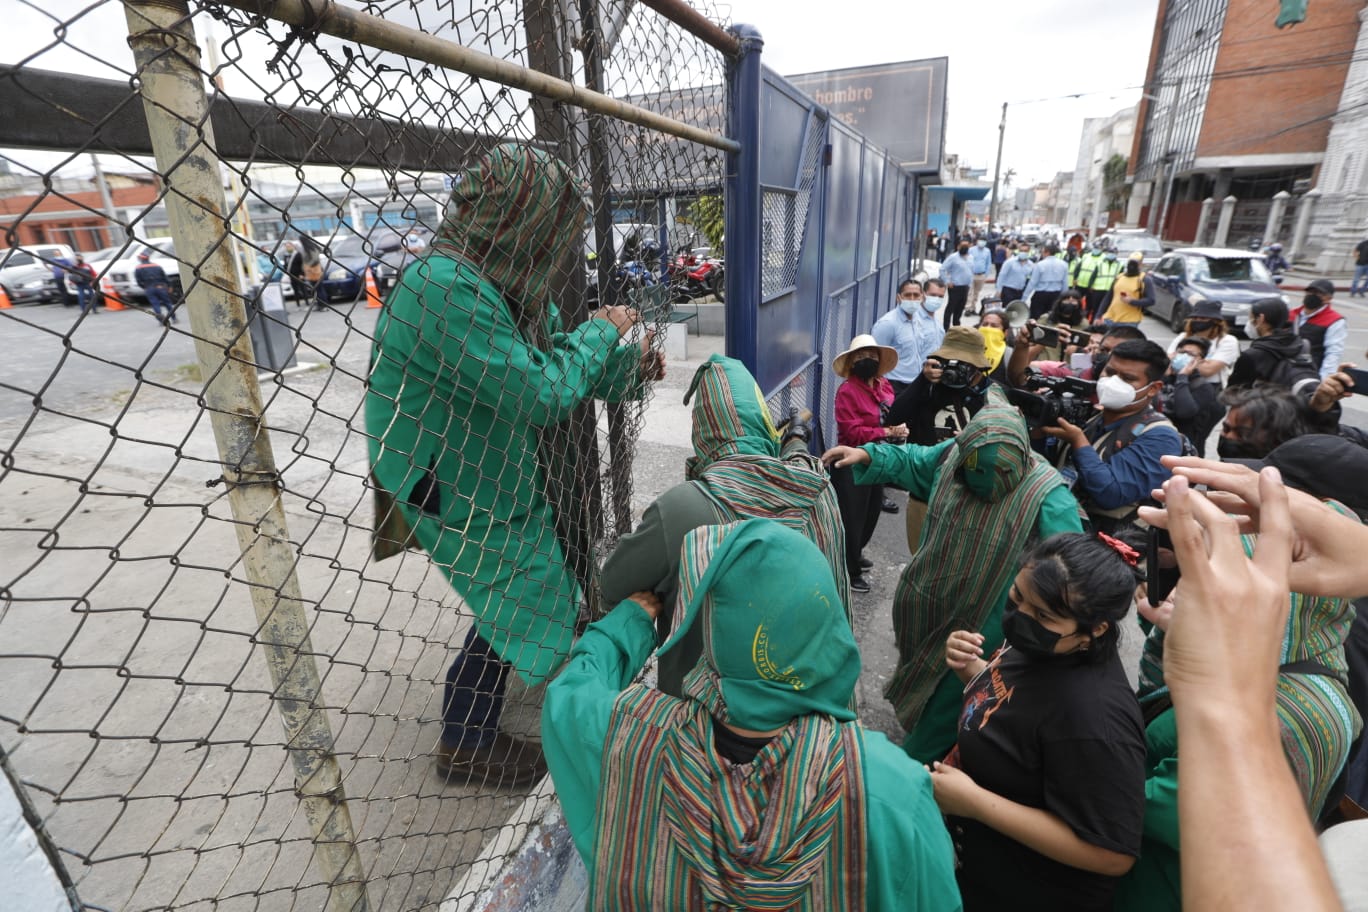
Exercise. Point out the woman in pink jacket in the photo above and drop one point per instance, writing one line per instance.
(861, 402)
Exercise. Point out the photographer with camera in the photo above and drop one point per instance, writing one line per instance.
(1030, 344)
(952, 378)
(1112, 461)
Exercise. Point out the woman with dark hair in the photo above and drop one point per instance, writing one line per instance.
(1044, 792)
(1067, 312)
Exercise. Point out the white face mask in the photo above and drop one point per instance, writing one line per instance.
(1114, 394)
(933, 304)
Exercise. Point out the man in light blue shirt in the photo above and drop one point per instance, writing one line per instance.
(911, 329)
(958, 273)
(980, 262)
(1014, 275)
(1048, 279)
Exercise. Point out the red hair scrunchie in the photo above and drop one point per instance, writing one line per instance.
(1128, 554)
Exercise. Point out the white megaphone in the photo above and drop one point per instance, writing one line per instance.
(1018, 312)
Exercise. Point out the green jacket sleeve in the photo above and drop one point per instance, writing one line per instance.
(1058, 513)
(914, 467)
(1161, 803)
(911, 863)
(621, 380)
(641, 560)
(493, 363)
(579, 706)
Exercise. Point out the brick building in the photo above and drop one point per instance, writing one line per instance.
(1236, 107)
(73, 213)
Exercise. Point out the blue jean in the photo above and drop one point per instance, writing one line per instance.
(159, 296)
(474, 695)
(85, 294)
(1360, 283)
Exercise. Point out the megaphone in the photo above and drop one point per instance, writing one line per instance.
(1018, 312)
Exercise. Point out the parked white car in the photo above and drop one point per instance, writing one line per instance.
(26, 273)
(117, 264)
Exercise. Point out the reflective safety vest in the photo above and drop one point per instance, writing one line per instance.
(1083, 269)
(1106, 274)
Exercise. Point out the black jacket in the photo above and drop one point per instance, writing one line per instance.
(1194, 408)
(1264, 355)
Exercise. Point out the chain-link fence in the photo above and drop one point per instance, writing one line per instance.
(220, 686)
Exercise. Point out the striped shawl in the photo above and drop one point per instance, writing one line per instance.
(968, 553)
(682, 828)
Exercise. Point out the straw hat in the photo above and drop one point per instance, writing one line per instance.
(963, 343)
(888, 357)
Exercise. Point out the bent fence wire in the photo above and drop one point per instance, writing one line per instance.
(212, 691)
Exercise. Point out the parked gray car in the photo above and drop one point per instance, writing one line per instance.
(1236, 278)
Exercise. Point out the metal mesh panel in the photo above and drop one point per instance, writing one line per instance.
(213, 691)
(836, 317)
(784, 215)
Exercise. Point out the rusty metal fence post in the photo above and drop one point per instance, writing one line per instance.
(177, 107)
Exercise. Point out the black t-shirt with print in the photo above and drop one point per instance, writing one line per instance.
(1065, 735)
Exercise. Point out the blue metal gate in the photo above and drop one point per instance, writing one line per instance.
(818, 230)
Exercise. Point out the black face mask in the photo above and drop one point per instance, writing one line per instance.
(963, 251)
(1312, 301)
(1227, 448)
(1068, 313)
(1099, 362)
(1021, 631)
(865, 368)
(1132, 269)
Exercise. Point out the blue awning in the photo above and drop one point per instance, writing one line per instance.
(963, 194)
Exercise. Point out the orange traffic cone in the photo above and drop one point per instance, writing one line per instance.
(4, 299)
(112, 301)
(372, 291)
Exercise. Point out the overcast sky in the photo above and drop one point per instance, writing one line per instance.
(998, 51)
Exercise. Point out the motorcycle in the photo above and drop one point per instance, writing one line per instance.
(692, 276)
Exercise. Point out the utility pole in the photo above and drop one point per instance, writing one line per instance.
(997, 170)
(106, 200)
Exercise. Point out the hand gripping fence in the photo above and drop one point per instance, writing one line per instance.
(417, 456)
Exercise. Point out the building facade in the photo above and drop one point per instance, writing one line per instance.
(1090, 203)
(1235, 107)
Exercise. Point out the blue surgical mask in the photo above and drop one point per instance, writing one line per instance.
(909, 307)
(933, 304)
(1023, 256)
(1180, 361)
(1110, 257)
(983, 243)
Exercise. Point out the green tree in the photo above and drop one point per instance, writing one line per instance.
(1114, 181)
(709, 214)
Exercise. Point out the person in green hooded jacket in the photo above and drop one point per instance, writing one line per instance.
(743, 467)
(469, 364)
(757, 789)
(988, 495)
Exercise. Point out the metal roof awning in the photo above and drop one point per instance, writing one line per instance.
(964, 194)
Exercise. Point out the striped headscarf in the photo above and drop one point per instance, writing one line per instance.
(968, 550)
(683, 828)
(737, 463)
(1316, 720)
(514, 216)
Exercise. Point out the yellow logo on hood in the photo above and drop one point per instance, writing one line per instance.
(766, 667)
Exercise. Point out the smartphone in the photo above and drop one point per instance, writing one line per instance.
(1080, 339)
(1080, 361)
(1161, 565)
(1360, 378)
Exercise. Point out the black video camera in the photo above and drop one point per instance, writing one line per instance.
(1048, 399)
